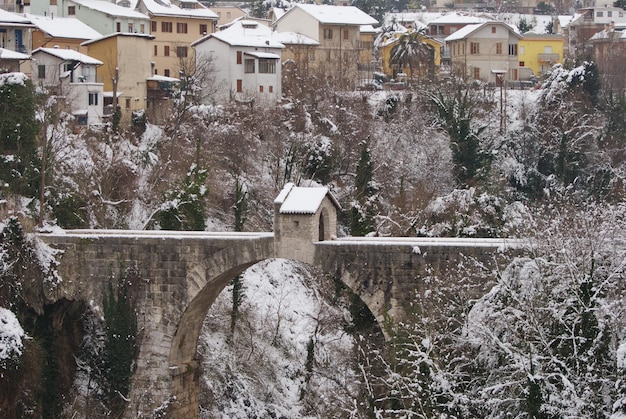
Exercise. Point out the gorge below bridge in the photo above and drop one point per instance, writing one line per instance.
(178, 275)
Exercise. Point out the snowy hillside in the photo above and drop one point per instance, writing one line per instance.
(289, 356)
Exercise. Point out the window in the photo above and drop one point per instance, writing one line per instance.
(312, 55)
(522, 64)
(513, 74)
(346, 34)
(609, 14)
(166, 72)
(498, 48)
(476, 73)
(127, 103)
(599, 14)
(156, 50)
(93, 99)
(118, 27)
(181, 27)
(260, 89)
(203, 29)
(249, 63)
(142, 28)
(71, 10)
(547, 50)
(522, 51)
(239, 85)
(271, 89)
(181, 52)
(166, 50)
(493, 29)
(130, 28)
(166, 26)
(41, 71)
(153, 26)
(267, 66)
(512, 49)
(239, 57)
(328, 34)
(474, 48)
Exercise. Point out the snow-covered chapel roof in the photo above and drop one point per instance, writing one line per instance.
(298, 200)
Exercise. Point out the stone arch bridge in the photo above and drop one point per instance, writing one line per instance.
(181, 273)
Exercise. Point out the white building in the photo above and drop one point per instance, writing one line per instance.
(247, 62)
(71, 76)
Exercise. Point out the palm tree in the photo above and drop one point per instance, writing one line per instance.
(413, 52)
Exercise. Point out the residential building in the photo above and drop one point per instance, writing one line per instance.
(15, 32)
(539, 52)
(586, 24)
(71, 76)
(299, 49)
(486, 51)
(368, 63)
(609, 53)
(10, 61)
(62, 32)
(445, 25)
(227, 12)
(175, 25)
(337, 29)
(247, 63)
(127, 58)
(103, 16)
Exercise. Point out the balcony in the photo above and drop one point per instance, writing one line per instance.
(548, 58)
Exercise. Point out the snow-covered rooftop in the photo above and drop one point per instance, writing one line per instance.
(368, 29)
(293, 38)
(64, 27)
(337, 15)
(469, 29)
(158, 77)
(8, 17)
(111, 35)
(245, 33)
(167, 8)
(111, 9)
(298, 200)
(7, 54)
(69, 55)
(452, 18)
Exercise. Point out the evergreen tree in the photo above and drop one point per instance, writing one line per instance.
(455, 110)
(18, 134)
(185, 209)
(240, 209)
(121, 340)
(362, 210)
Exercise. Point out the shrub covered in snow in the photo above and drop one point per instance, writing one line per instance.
(11, 336)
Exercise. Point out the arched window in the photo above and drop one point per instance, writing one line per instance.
(321, 227)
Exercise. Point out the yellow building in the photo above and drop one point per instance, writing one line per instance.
(539, 52)
(174, 28)
(128, 55)
(413, 72)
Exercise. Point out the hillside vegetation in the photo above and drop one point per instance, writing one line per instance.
(549, 340)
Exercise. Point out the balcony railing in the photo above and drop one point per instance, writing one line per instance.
(548, 58)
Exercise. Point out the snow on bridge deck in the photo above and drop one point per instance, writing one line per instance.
(165, 234)
(431, 241)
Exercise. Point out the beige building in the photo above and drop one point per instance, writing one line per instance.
(130, 54)
(226, 13)
(486, 51)
(337, 29)
(175, 25)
